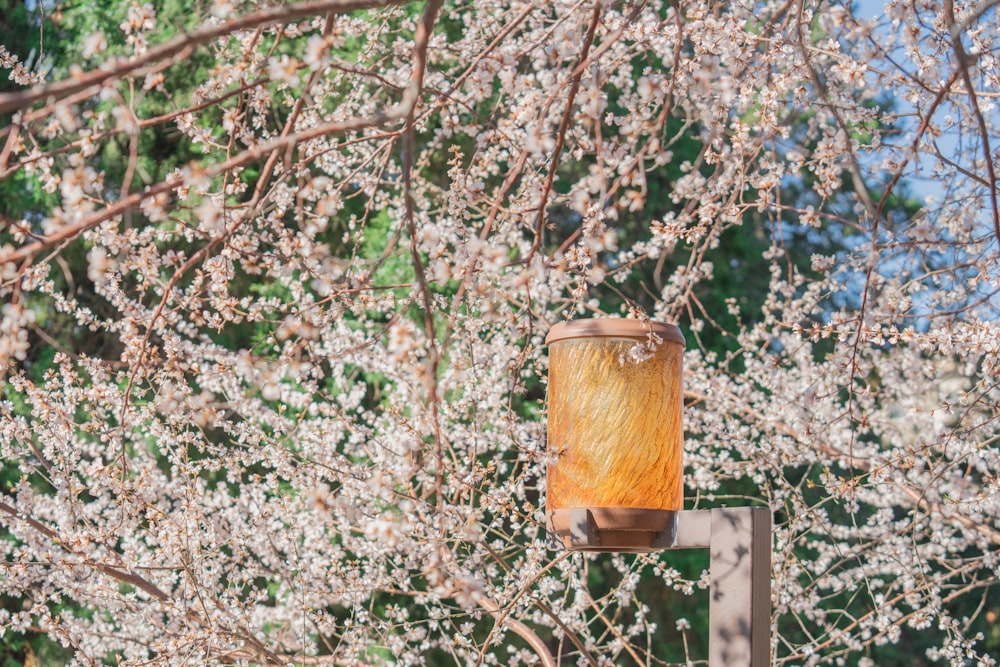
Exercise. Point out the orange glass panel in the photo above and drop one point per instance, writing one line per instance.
(615, 425)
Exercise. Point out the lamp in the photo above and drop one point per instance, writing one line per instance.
(615, 428)
(616, 483)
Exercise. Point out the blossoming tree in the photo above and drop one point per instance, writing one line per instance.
(276, 282)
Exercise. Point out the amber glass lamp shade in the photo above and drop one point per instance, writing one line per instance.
(615, 429)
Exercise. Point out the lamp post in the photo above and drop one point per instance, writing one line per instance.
(615, 407)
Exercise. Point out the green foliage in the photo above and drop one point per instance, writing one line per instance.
(734, 295)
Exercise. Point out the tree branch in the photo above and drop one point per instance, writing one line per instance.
(52, 92)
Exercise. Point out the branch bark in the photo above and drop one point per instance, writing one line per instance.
(95, 78)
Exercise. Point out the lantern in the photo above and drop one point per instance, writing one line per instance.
(615, 431)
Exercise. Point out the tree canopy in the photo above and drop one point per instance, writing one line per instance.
(277, 279)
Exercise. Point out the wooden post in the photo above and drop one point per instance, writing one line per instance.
(739, 608)
(739, 613)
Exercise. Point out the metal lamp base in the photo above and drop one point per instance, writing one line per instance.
(624, 529)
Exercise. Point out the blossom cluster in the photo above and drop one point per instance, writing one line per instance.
(279, 397)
